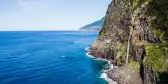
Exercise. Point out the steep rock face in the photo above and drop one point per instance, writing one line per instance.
(115, 32)
(146, 22)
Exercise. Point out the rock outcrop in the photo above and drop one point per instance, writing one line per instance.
(146, 23)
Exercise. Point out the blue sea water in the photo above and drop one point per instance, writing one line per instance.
(48, 57)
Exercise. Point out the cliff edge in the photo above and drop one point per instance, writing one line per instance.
(134, 37)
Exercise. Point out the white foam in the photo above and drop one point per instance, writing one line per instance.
(104, 74)
(106, 78)
(87, 54)
(87, 49)
(111, 66)
(109, 63)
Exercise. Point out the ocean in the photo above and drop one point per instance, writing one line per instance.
(48, 57)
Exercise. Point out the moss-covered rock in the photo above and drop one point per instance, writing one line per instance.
(135, 65)
(157, 55)
(159, 11)
(101, 33)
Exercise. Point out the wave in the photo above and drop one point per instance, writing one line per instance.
(106, 78)
(104, 74)
(87, 49)
(87, 54)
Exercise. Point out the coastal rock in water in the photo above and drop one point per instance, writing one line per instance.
(147, 23)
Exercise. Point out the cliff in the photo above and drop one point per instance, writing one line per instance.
(95, 26)
(134, 37)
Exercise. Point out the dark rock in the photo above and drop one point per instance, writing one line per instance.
(125, 75)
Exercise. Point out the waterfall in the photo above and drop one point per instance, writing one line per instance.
(128, 46)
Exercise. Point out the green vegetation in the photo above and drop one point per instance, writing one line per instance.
(121, 54)
(158, 33)
(161, 35)
(101, 33)
(135, 65)
(123, 57)
(137, 3)
(157, 55)
(158, 10)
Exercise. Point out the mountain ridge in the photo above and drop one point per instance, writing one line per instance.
(94, 26)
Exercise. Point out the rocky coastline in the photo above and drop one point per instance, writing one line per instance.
(105, 74)
(117, 74)
(134, 38)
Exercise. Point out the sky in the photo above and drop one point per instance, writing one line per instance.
(50, 14)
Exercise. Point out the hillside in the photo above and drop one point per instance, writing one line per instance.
(95, 26)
